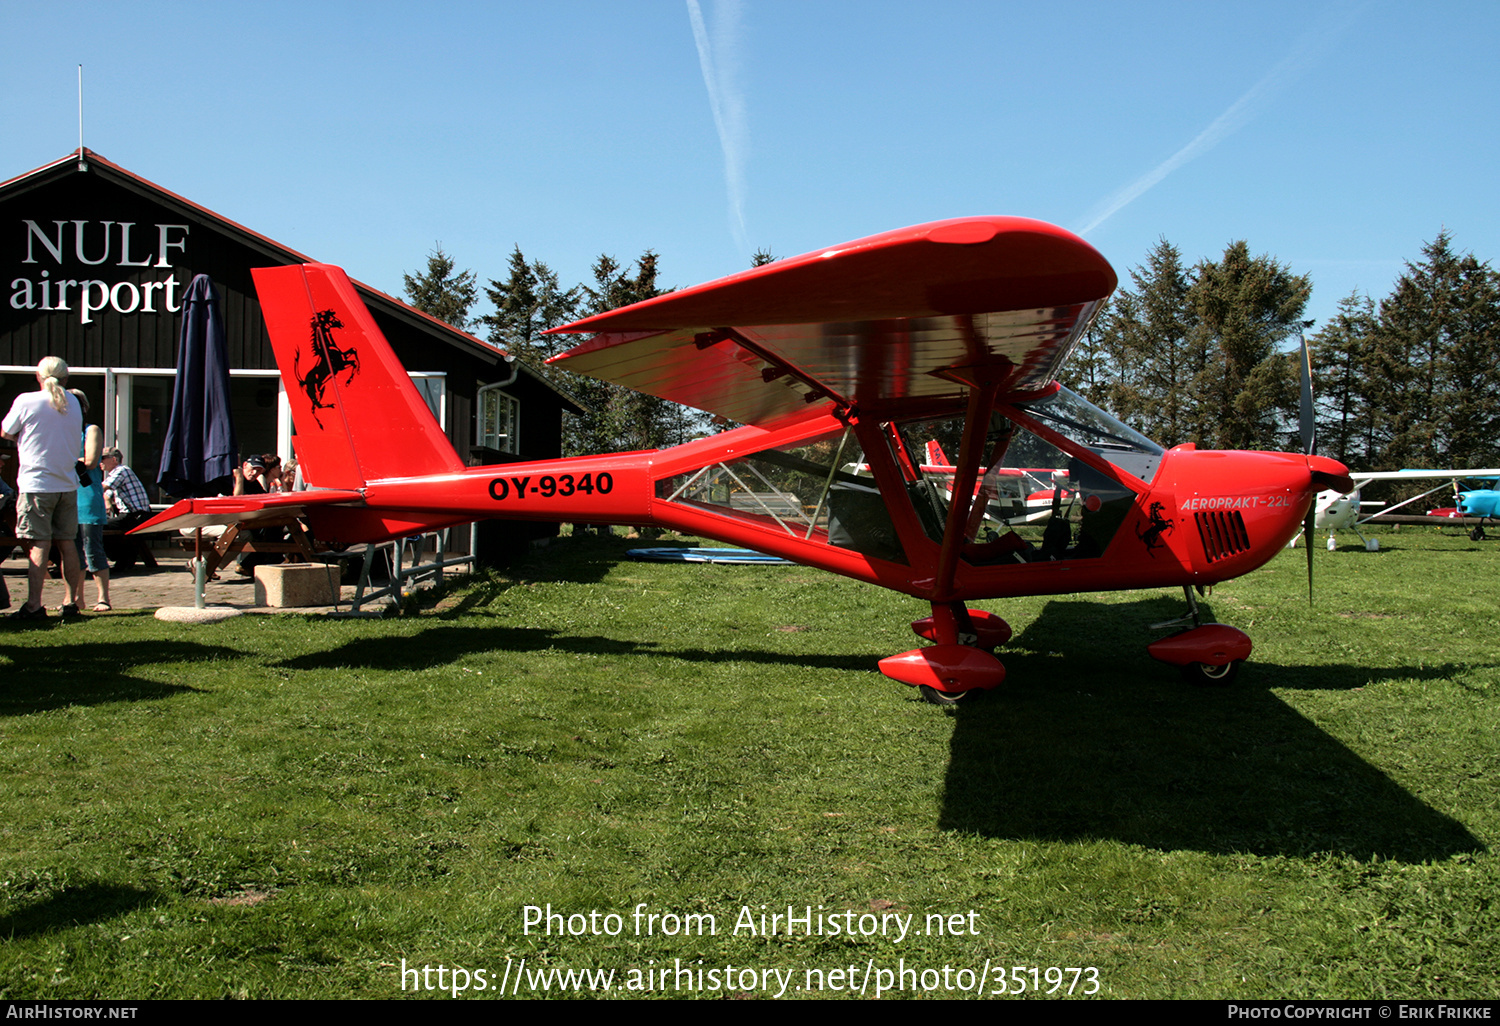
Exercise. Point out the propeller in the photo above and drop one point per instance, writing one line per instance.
(1307, 424)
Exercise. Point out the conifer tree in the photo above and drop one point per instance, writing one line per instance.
(1434, 356)
(1137, 359)
(1243, 309)
(1156, 356)
(1341, 355)
(1470, 412)
(440, 292)
(1191, 355)
(622, 419)
(1090, 370)
(527, 303)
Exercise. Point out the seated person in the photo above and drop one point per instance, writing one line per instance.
(250, 479)
(272, 476)
(126, 505)
(125, 498)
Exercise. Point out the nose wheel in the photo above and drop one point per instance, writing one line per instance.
(1209, 654)
(1207, 675)
(932, 696)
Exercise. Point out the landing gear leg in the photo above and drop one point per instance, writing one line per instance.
(953, 623)
(1192, 601)
(959, 666)
(1192, 616)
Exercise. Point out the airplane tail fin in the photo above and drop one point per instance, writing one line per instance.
(357, 414)
(935, 455)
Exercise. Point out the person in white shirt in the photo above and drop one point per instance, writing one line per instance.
(46, 425)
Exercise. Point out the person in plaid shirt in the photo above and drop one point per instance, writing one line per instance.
(123, 492)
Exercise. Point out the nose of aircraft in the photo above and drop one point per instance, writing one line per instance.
(1329, 475)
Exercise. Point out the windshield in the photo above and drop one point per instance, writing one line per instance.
(1073, 416)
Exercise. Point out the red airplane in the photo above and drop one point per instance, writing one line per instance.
(842, 364)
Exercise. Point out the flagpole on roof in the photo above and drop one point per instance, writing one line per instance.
(82, 166)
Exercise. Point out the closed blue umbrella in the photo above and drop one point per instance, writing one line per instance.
(200, 447)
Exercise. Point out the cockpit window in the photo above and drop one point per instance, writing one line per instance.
(819, 489)
(1070, 414)
(1032, 501)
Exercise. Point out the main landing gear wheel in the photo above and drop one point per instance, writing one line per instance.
(933, 696)
(1477, 534)
(1212, 676)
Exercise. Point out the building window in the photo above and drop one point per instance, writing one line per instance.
(499, 420)
(433, 388)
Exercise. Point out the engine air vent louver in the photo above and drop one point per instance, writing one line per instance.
(1223, 534)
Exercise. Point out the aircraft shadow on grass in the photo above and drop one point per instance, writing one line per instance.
(441, 645)
(77, 904)
(60, 675)
(1112, 745)
(453, 636)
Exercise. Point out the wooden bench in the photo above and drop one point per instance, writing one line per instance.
(238, 538)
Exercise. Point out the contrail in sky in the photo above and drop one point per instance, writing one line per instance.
(717, 56)
(1239, 112)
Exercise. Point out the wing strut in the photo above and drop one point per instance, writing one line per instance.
(976, 425)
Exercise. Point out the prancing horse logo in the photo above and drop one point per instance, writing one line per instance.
(1159, 526)
(328, 361)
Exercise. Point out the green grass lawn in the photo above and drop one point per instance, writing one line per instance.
(298, 807)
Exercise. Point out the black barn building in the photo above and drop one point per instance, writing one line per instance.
(96, 261)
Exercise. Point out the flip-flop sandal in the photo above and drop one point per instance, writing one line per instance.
(101, 607)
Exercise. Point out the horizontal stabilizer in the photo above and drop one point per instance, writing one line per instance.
(335, 516)
(224, 510)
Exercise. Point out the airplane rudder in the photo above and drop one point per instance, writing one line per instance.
(344, 379)
(323, 444)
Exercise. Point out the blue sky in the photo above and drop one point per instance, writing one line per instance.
(1338, 137)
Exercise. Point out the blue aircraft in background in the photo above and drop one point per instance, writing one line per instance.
(1481, 502)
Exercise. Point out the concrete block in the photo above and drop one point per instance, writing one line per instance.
(296, 584)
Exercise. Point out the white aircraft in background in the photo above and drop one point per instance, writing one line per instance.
(1337, 512)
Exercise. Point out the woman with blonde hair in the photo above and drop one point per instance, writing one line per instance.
(46, 426)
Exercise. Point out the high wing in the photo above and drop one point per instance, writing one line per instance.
(911, 314)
